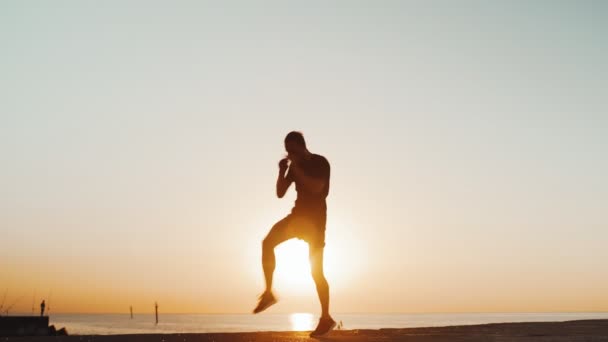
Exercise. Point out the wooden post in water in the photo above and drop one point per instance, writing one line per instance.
(33, 302)
(156, 311)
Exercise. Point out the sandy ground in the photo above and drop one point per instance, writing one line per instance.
(570, 331)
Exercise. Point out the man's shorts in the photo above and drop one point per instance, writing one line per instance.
(309, 227)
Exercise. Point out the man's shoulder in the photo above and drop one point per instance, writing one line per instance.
(320, 159)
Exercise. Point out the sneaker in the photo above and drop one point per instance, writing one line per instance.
(325, 326)
(266, 299)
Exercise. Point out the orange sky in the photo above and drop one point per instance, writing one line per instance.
(139, 148)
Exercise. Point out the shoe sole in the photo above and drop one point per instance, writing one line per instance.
(258, 310)
(325, 333)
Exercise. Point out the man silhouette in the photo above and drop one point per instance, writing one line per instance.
(306, 221)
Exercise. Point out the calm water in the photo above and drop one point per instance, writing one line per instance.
(189, 323)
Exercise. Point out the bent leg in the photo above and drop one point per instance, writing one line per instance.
(279, 233)
(316, 267)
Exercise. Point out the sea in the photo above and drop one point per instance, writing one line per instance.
(110, 324)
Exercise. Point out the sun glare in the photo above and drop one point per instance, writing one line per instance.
(301, 321)
(293, 267)
(292, 273)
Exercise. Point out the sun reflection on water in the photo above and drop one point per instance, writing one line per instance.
(301, 321)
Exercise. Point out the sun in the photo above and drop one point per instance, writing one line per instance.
(301, 321)
(341, 261)
(292, 271)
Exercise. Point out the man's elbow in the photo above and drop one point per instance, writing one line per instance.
(280, 193)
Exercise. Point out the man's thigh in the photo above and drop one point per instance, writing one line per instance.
(281, 231)
(310, 229)
(315, 254)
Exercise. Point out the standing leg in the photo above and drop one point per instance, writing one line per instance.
(316, 267)
(326, 323)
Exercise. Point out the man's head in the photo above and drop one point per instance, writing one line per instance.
(295, 145)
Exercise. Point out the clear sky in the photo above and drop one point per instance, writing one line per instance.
(139, 143)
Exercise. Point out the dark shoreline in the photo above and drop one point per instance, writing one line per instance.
(571, 331)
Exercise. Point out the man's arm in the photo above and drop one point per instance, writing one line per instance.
(283, 179)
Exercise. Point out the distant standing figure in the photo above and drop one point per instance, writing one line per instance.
(306, 221)
(156, 311)
(131, 310)
(42, 306)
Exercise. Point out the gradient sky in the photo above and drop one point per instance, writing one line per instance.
(139, 143)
